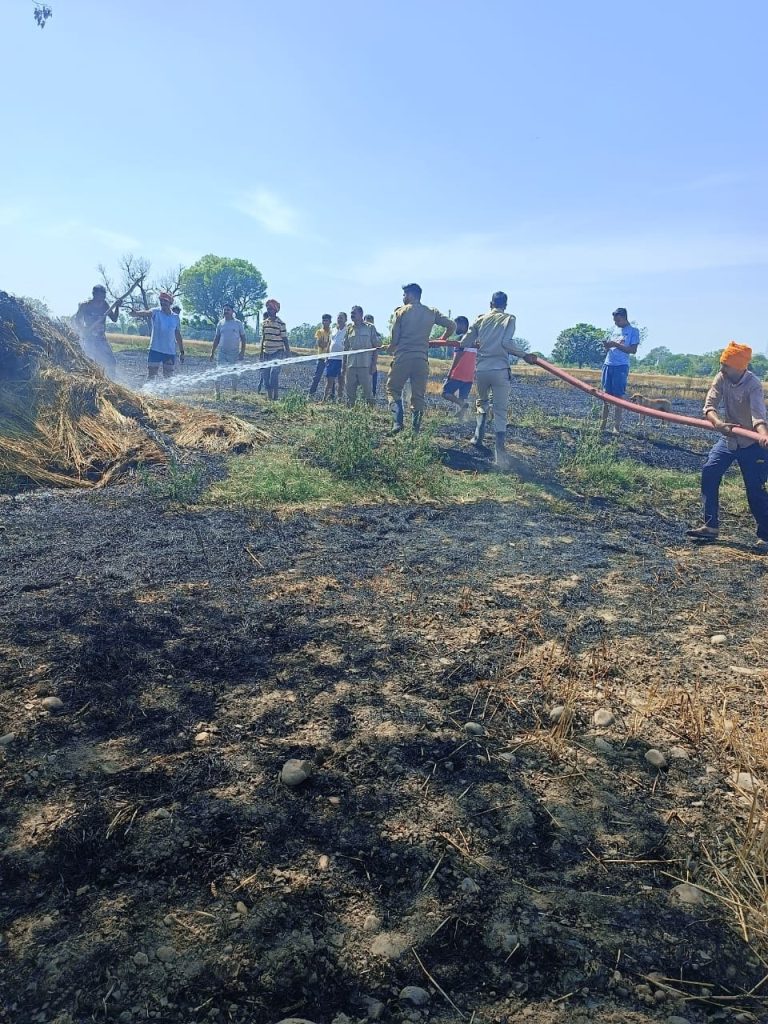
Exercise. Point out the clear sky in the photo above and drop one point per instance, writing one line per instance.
(578, 156)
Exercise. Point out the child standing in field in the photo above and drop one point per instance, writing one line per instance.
(738, 394)
(458, 384)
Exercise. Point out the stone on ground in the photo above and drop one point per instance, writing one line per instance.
(687, 893)
(603, 718)
(52, 703)
(415, 995)
(656, 758)
(295, 771)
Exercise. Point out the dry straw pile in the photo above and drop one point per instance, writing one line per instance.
(64, 424)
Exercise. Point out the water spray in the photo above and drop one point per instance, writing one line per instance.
(166, 386)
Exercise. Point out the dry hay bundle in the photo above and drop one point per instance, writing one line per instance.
(64, 423)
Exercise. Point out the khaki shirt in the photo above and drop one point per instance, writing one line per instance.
(492, 335)
(412, 327)
(364, 336)
(742, 403)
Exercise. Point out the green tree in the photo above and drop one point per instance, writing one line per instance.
(581, 345)
(214, 280)
(302, 336)
(654, 359)
(522, 343)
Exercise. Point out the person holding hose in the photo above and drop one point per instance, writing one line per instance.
(491, 334)
(736, 399)
(409, 347)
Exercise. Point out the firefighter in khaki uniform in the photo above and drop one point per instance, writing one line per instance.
(410, 350)
(492, 335)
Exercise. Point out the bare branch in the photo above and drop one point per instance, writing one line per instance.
(170, 281)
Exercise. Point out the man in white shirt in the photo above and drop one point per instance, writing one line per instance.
(334, 367)
(228, 345)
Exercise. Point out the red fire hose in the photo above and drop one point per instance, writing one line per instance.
(670, 417)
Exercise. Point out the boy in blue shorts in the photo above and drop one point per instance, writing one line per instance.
(619, 347)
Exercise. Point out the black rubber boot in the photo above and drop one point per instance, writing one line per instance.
(416, 421)
(501, 455)
(477, 440)
(396, 408)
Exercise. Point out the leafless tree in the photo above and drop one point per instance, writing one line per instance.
(170, 281)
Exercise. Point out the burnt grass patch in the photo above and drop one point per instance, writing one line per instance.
(153, 867)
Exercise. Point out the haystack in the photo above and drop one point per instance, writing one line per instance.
(64, 423)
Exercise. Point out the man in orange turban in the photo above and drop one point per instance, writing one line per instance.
(737, 395)
(274, 345)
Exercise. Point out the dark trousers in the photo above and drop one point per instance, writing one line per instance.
(753, 463)
(319, 368)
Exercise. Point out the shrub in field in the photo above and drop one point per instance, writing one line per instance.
(176, 484)
(349, 444)
(294, 404)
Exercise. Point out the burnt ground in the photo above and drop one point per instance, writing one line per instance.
(154, 867)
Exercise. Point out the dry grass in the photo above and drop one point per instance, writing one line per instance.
(64, 423)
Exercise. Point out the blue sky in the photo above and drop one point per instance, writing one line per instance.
(578, 156)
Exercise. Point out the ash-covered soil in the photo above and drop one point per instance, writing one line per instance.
(154, 867)
(455, 834)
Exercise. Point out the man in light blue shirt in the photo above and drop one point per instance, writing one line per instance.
(166, 337)
(618, 348)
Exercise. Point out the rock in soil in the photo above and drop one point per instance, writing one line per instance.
(474, 729)
(374, 1008)
(746, 781)
(718, 639)
(295, 772)
(679, 754)
(415, 995)
(603, 718)
(140, 959)
(687, 893)
(52, 703)
(656, 758)
(560, 712)
(166, 954)
(7, 740)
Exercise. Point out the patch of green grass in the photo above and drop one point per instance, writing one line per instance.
(276, 478)
(595, 468)
(294, 405)
(175, 484)
(350, 444)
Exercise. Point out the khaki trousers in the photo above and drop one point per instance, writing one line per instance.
(359, 376)
(412, 368)
(496, 384)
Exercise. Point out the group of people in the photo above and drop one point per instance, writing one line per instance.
(482, 356)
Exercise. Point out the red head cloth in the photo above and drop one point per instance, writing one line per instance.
(273, 304)
(736, 355)
(165, 297)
